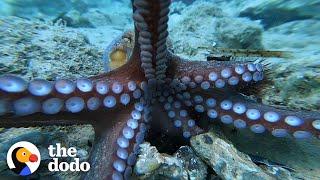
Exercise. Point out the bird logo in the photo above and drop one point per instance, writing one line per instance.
(23, 158)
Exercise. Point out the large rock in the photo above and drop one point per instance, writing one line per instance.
(200, 27)
(238, 33)
(184, 164)
(74, 19)
(277, 12)
(295, 80)
(225, 159)
(295, 35)
(37, 50)
(301, 156)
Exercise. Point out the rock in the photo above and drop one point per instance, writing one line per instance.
(194, 166)
(186, 30)
(116, 14)
(225, 159)
(206, 19)
(177, 7)
(293, 35)
(238, 33)
(74, 19)
(278, 172)
(151, 164)
(34, 135)
(97, 18)
(148, 159)
(295, 81)
(43, 51)
(109, 13)
(282, 10)
(302, 156)
(120, 14)
(182, 165)
(294, 84)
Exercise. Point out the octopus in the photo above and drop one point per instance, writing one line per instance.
(153, 89)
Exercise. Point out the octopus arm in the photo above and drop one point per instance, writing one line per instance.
(207, 75)
(76, 96)
(177, 114)
(244, 113)
(279, 121)
(117, 141)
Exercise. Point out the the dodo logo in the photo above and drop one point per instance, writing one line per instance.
(23, 158)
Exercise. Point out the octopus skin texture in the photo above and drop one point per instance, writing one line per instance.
(154, 86)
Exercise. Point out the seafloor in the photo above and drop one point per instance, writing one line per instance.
(51, 39)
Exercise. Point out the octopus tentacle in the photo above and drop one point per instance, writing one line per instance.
(207, 75)
(151, 19)
(64, 95)
(117, 144)
(280, 122)
(179, 116)
(242, 113)
(257, 117)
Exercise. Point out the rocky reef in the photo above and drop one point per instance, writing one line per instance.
(184, 164)
(209, 155)
(294, 81)
(34, 49)
(204, 25)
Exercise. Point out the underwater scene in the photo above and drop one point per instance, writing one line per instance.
(160, 89)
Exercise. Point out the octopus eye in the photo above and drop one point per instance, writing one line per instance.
(118, 51)
(118, 57)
